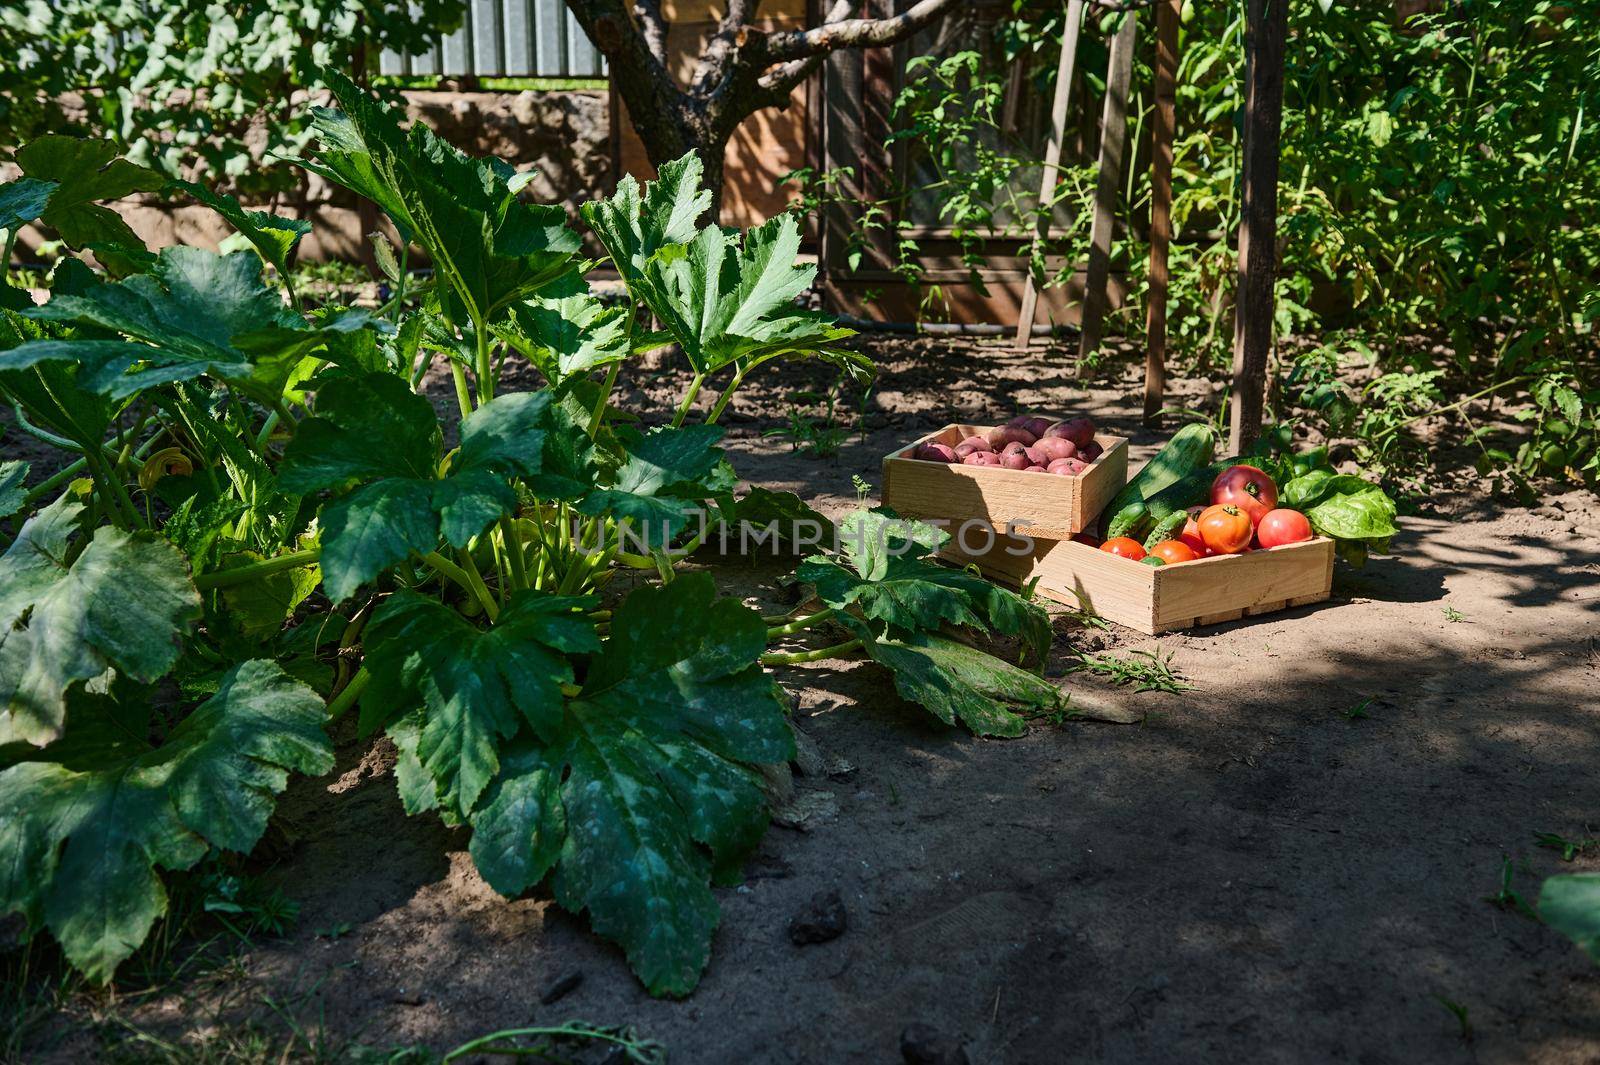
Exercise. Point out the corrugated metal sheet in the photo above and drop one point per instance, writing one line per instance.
(507, 39)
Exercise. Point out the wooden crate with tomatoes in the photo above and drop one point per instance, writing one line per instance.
(1190, 542)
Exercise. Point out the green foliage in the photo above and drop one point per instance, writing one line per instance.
(84, 832)
(238, 456)
(194, 87)
(69, 613)
(1570, 903)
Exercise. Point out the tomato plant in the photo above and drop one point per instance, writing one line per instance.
(260, 527)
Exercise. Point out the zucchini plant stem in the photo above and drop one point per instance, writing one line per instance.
(514, 552)
(688, 400)
(779, 658)
(600, 403)
(348, 694)
(255, 570)
(463, 394)
(803, 623)
(453, 572)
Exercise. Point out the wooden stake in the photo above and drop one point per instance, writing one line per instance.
(1267, 25)
(1113, 139)
(1065, 72)
(1161, 133)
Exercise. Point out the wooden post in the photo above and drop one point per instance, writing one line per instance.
(1065, 72)
(1267, 26)
(1161, 134)
(1113, 139)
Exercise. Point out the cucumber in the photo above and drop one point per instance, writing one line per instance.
(1166, 529)
(1189, 449)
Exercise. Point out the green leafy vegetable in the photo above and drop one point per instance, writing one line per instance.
(570, 335)
(477, 687)
(273, 236)
(123, 604)
(81, 837)
(646, 794)
(665, 472)
(194, 313)
(634, 228)
(958, 683)
(374, 432)
(13, 487)
(490, 248)
(1570, 904)
(83, 172)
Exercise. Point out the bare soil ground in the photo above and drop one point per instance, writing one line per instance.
(1249, 875)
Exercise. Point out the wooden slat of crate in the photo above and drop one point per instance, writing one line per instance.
(1156, 599)
(1048, 505)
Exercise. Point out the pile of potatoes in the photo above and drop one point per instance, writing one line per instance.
(1028, 443)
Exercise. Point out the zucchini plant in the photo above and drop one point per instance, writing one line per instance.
(261, 524)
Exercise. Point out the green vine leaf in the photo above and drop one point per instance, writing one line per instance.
(476, 686)
(83, 172)
(1570, 904)
(490, 248)
(645, 791)
(958, 683)
(373, 431)
(665, 474)
(195, 313)
(123, 604)
(633, 228)
(273, 236)
(569, 336)
(82, 837)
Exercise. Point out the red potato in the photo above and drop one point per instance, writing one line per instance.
(971, 444)
(1055, 447)
(1035, 469)
(1037, 426)
(1068, 467)
(1079, 430)
(1014, 456)
(934, 453)
(1091, 451)
(981, 458)
(1009, 434)
(1037, 457)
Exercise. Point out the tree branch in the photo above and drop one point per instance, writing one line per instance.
(653, 26)
(854, 33)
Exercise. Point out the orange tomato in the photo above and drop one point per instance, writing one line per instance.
(1124, 547)
(1225, 529)
(1171, 551)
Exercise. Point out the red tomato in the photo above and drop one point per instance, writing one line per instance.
(1191, 534)
(1247, 488)
(1282, 526)
(1173, 551)
(1124, 547)
(1225, 529)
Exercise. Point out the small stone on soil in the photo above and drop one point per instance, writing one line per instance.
(821, 920)
(922, 1044)
(563, 987)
